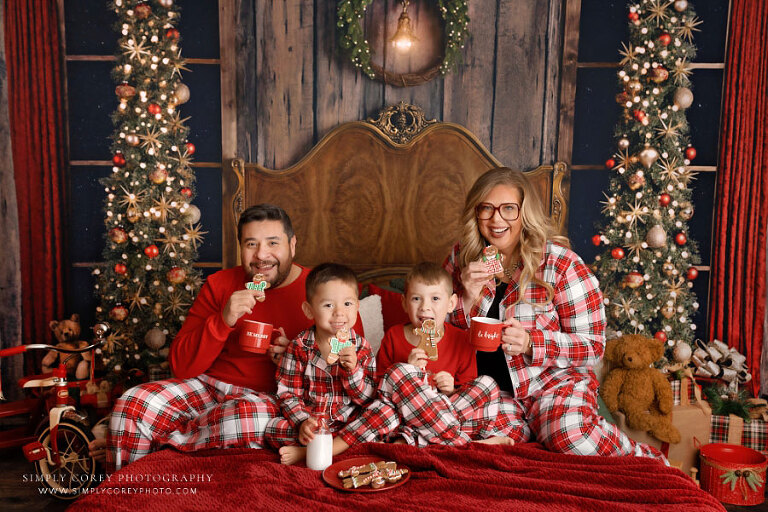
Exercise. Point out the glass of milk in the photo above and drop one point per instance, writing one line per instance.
(320, 448)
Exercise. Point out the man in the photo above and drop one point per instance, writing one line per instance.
(222, 394)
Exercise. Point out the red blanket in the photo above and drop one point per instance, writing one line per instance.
(475, 477)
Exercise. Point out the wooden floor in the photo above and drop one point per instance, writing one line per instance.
(18, 495)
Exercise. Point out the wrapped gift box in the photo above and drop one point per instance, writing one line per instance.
(732, 429)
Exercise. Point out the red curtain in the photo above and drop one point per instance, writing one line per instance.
(738, 287)
(38, 138)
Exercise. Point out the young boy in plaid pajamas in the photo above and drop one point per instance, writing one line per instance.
(305, 380)
(553, 315)
(222, 394)
(442, 401)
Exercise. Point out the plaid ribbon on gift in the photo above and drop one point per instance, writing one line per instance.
(676, 392)
(754, 435)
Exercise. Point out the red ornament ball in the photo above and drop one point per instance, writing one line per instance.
(118, 235)
(151, 251)
(143, 10)
(186, 192)
(120, 269)
(118, 313)
(665, 39)
(639, 115)
(596, 240)
(172, 33)
(617, 253)
(665, 199)
(690, 152)
(176, 275)
(661, 336)
(633, 16)
(118, 160)
(680, 239)
(692, 273)
(154, 109)
(610, 163)
(190, 148)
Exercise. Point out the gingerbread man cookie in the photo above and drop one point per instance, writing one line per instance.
(492, 260)
(259, 283)
(338, 342)
(430, 336)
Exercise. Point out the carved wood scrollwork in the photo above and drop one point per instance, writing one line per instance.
(401, 122)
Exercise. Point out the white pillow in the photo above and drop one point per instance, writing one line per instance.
(373, 321)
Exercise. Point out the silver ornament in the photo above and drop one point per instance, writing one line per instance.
(166, 3)
(181, 93)
(683, 97)
(681, 5)
(194, 214)
(155, 338)
(682, 352)
(686, 210)
(656, 237)
(648, 156)
(623, 143)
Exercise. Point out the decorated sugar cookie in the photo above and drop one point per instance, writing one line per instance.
(492, 260)
(338, 342)
(429, 338)
(259, 283)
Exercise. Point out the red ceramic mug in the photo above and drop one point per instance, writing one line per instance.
(255, 336)
(485, 333)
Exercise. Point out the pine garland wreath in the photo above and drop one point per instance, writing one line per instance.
(147, 282)
(649, 263)
(455, 14)
(724, 402)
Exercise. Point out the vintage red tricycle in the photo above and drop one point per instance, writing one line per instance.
(56, 429)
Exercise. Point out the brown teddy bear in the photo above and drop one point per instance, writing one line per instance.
(633, 387)
(67, 334)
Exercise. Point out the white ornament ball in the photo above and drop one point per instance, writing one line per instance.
(166, 3)
(181, 93)
(681, 5)
(194, 214)
(681, 352)
(155, 338)
(683, 97)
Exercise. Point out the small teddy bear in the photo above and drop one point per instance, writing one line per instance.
(638, 390)
(67, 334)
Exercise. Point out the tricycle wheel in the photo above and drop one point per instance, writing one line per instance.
(76, 470)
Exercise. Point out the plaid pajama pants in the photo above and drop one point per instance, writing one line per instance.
(188, 414)
(371, 424)
(429, 417)
(564, 419)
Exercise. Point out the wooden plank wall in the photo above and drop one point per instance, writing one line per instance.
(293, 84)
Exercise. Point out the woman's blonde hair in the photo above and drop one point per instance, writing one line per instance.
(538, 227)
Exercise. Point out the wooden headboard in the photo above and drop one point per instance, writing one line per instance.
(378, 195)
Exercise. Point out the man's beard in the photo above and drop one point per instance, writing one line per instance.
(280, 277)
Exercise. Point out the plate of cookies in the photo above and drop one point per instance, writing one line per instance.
(366, 474)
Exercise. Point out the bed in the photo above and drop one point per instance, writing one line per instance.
(380, 195)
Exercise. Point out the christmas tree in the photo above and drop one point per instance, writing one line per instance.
(648, 265)
(147, 282)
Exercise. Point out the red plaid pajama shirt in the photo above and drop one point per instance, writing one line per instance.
(555, 388)
(188, 414)
(428, 416)
(305, 382)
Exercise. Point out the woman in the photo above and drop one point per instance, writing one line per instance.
(552, 310)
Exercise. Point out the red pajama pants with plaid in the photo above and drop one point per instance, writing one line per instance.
(430, 417)
(188, 414)
(564, 419)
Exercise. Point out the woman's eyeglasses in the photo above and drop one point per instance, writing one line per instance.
(508, 211)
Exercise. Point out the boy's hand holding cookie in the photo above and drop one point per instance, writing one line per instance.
(444, 383)
(418, 357)
(307, 430)
(348, 358)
